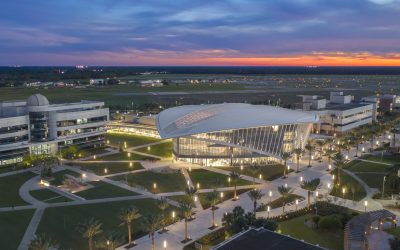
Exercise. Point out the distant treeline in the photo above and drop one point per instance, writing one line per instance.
(19, 75)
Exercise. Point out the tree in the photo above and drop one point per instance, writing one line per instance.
(186, 208)
(163, 204)
(310, 186)
(330, 153)
(213, 198)
(285, 157)
(298, 152)
(127, 215)
(43, 242)
(255, 195)
(320, 144)
(112, 240)
(285, 192)
(89, 229)
(151, 223)
(235, 177)
(310, 148)
(70, 152)
(191, 192)
(339, 163)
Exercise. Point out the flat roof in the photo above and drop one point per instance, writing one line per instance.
(347, 106)
(261, 239)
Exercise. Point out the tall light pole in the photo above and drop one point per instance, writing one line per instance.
(383, 186)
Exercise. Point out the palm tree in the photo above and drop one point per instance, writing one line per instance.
(162, 204)
(310, 186)
(112, 240)
(42, 242)
(89, 229)
(213, 198)
(127, 215)
(320, 144)
(254, 169)
(151, 223)
(310, 148)
(285, 157)
(235, 177)
(186, 209)
(330, 153)
(285, 192)
(191, 192)
(339, 163)
(255, 195)
(298, 152)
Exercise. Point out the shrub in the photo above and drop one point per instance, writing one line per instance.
(265, 223)
(315, 219)
(330, 222)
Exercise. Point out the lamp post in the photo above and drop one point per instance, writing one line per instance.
(343, 191)
(301, 179)
(365, 205)
(297, 203)
(329, 167)
(154, 187)
(198, 185)
(316, 196)
(105, 170)
(165, 244)
(270, 196)
(260, 176)
(268, 210)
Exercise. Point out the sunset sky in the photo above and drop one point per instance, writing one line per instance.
(200, 32)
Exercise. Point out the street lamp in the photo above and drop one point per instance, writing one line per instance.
(365, 205)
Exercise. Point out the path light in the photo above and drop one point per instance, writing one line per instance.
(346, 157)
(363, 149)
(285, 185)
(312, 157)
(130, 164)
(165, 244)
(316, 196)
(343, 191)
(94, 157)
(377, 142)
(297, 203)
(329, 166)
(301, 179)
(241, 167)
(229, 179)
(389, 137)
(154, 185)
(173, 214)
(190, 168)
(195, 198)
(365, 205)
(329, 186)
(222, 195)
(260, 176)
(148, 148)
(108, 141)
(83, 175)
(105, 170)
(333, 177)
(129, 155)
(125, 144)
(270, 196)
(268, 209)
(188, 183)
(288, 168)
(198, 185)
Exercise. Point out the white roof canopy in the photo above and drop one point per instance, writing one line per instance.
(197, 119)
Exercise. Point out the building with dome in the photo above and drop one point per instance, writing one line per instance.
(234, 133)
(34, 126)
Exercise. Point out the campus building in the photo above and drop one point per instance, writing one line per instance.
(233, 133)
(339, 114)
(35, 126)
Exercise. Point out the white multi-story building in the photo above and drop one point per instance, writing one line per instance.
(339, 114)
(36, 127)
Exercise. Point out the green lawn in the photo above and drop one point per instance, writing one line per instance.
(9, 188)
(60, 223)
(10, 168)
(393, 159)
(362, 166)
(163, 149)
(103, 189)
(268, 172)
(347, 182)
(209, 179)
(46, 195)
(118, 140)
(125, 157)
(372, 180)
(181, 198)
(60, 175)
(296, 228)
(394, 231)
(13, 226)
(112, 167)
(166, 182)
(227, 196)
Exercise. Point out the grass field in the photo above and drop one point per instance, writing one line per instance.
(166, 182)
(372, 180)
(118, 140)
(163, 149)
(296, 228)
(9, 187)
(46, 195)
(124, 157)
(362, 166)
(60, 175)
(60, 223)
(269, 173)
(395, 159)
(103, 189)
(5, 169)
(209, 179)
(347, 182)
(13, 226)
(112, 167)
(279, 202)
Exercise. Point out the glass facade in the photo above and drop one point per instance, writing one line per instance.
(250, 144)
(39, 128)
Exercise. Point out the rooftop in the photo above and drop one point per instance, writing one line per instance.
(261, 239)
(347, 106)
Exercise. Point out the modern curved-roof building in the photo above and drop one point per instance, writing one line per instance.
(233, 132)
